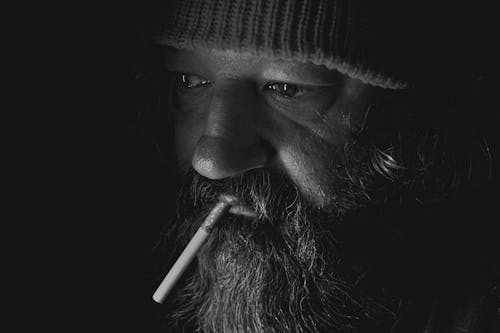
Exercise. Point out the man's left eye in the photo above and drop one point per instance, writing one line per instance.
(287, 90)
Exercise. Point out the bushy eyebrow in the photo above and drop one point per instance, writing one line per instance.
(294, 73)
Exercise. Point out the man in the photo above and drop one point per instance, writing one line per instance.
(320, 119)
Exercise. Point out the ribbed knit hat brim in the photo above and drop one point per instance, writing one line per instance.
(338, 34)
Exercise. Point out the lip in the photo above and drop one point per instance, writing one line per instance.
(237, 207)
(242, 210)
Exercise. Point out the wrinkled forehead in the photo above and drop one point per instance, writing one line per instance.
(237, 63)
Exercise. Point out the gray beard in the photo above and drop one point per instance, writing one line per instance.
(279, 272)
(284, 272)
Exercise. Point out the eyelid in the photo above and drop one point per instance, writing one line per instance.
(304, 90)
(201, 78)
(289, 83)
(306, 86)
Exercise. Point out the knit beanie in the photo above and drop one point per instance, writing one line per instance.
(357, 38)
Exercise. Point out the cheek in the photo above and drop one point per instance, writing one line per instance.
(308, 152)
(313, 155)
(308, 163)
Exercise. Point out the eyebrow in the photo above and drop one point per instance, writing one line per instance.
(307, 74)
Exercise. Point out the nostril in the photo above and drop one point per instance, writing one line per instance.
(217, 158)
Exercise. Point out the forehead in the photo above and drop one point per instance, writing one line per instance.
(234, 63)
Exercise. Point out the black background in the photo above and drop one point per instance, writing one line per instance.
(93, 191)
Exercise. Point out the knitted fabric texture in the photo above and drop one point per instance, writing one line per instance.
(344, 35)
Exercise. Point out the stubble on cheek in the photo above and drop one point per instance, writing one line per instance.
(332, 174)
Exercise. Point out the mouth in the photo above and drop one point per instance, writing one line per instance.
(238, 207)
(242, 210)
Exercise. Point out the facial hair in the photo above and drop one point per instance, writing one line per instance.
(278, 272)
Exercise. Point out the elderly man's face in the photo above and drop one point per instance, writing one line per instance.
(235, 112)
(281, 137)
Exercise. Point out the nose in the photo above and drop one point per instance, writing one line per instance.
(230, 144)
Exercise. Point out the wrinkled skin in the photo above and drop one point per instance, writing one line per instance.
(234, 123)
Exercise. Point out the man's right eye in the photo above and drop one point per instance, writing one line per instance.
(189, 81)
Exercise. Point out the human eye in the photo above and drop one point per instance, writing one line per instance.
(186, 91)
(300, 101)
(286, 90)
(186, 81)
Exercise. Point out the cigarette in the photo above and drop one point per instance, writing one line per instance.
(194, 245)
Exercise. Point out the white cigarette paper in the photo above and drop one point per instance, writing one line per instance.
(194, 245)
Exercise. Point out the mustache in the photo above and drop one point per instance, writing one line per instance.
(271, 195)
